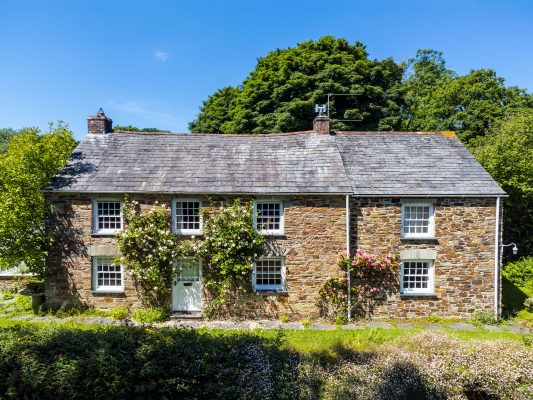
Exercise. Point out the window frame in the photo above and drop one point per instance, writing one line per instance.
(422, 291)
(96, 230)
(106, 289)
(431, 221)
(269, 288)
(271, 232)
(185, 232)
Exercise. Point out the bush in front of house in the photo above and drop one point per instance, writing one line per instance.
(520, 272)
(125, 362)
(142, 363)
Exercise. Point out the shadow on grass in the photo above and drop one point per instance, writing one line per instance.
(512, 298)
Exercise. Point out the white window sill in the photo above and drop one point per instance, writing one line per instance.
(188, 233)
(108, 291)
(419, 237)
(418, 294)
(271, 292)
(271, 233)
(106, 233)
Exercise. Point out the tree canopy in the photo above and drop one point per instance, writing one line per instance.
(26, 167)
(280, 94)
(420, 95)
(507, 154)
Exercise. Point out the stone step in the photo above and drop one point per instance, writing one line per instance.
(186, 315)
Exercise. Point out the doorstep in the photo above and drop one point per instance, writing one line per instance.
(186, 315)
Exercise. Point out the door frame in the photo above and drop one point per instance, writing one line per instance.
(174, 286)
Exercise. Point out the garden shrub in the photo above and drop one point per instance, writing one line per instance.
(150, 315)
(119, 313)
(520, 272)
(123, 362)
(127, 362)
(372, 279)
(482, 318)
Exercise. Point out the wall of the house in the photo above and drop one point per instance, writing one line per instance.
(314, 237)
(464, 245)
(313, 240)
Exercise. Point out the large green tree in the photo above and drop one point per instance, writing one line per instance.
(280, 94)
(5, 136)
(437, 99)
(26, 167)
(507, 154)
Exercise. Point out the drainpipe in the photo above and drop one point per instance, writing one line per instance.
(348, 255)
(497, 262)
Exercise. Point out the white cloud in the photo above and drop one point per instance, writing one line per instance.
(161, 55)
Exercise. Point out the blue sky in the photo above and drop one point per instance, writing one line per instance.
(151, 63)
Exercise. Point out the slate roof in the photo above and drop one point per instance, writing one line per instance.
(362, 163)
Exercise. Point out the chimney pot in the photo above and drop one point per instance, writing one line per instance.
(99, 124)
(321, 124)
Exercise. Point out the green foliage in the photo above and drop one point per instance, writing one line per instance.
(124, 362)
(437, 99)
(483, 318)
(120, 313)
(229, 247)
(506, 153)
(26, 168)
(20, 306)
(372, 277)
(7, 295)
(520, 272)
(150, 315)
(280, 94)
(306, 322)
(528, 304)
(148, 250)
(131, 128)
(284, 319)
(5, 136)
(216, 111)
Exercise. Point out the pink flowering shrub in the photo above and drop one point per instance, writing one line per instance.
(427, 366)
(372, 278)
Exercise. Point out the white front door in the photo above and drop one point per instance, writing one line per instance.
(187, 286)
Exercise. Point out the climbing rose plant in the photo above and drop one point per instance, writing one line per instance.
(229, 247)
(372, 278)
(148, 249)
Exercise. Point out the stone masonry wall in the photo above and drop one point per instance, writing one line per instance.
(464, 245)
(313, 239)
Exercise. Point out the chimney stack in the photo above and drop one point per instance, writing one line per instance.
(321, 124)
(99, 123)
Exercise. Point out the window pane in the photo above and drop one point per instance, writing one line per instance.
(188, 215)
(107, 274)
(416, 276)
(268, 274)
(268, 216)
(109, 215)
(416, 219)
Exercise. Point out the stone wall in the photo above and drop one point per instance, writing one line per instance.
(464, 248)
(12, 283)
(313, 239)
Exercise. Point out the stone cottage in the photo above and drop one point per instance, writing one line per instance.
(318, 194)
